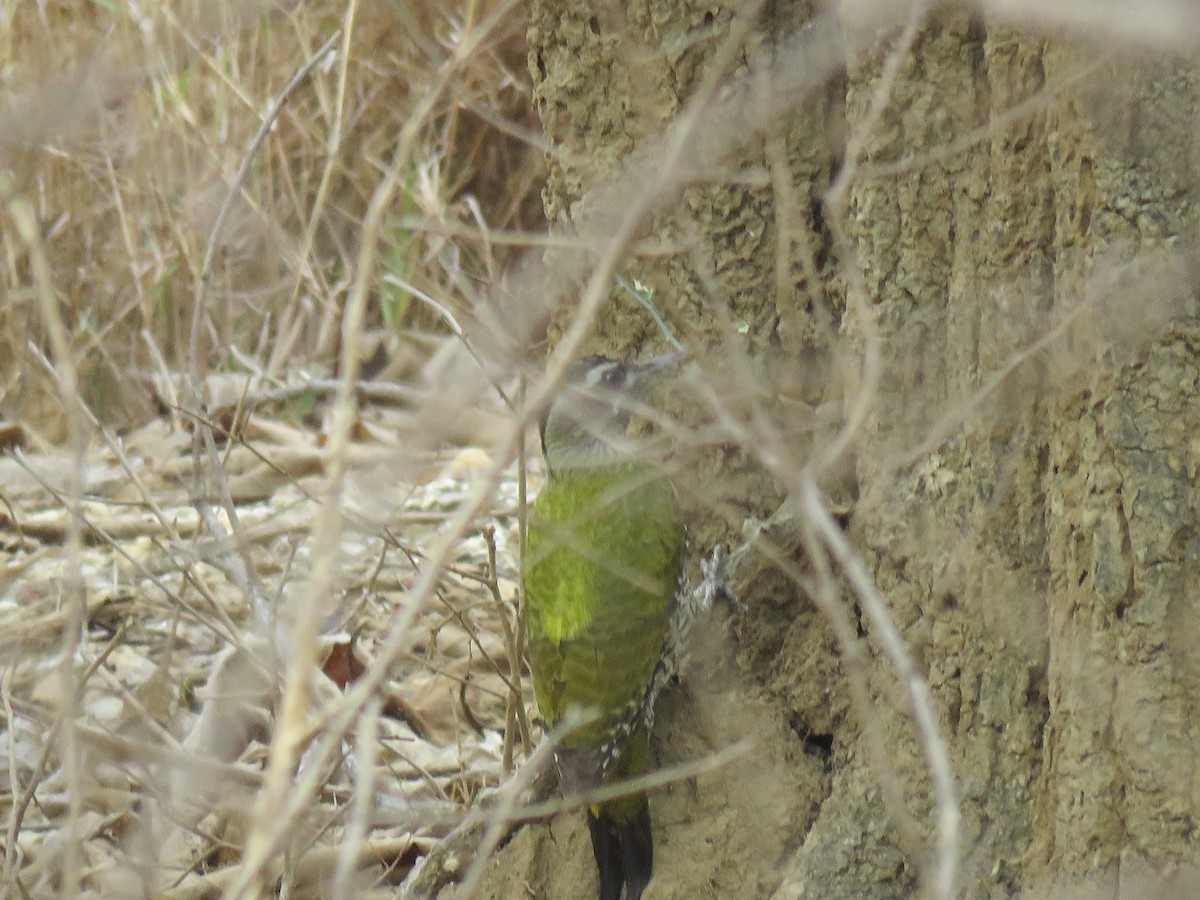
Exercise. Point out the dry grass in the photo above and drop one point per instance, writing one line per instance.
(140, 631)
(265, 639)
(124, 125)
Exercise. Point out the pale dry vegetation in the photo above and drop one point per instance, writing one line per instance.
(273, 292)
(125, 124)
(139, 633)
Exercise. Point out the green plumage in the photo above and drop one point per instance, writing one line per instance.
(603, 556)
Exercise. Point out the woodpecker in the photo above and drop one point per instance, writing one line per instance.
(604, 556)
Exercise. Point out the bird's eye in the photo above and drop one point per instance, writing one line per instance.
(613, 377)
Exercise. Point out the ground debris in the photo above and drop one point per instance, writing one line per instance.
(168, 677)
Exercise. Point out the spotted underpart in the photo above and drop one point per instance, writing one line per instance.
(585, 769)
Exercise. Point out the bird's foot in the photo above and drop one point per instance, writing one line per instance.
(714, 580)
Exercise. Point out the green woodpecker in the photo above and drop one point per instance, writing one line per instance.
(604, 556)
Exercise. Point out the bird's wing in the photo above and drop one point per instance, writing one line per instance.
(601, 564)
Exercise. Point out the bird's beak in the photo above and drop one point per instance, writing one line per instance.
(644, 372)
(650, 365)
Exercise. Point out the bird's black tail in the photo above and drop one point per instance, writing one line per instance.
(623, 843)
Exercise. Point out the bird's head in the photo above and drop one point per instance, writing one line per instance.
(588, 423)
